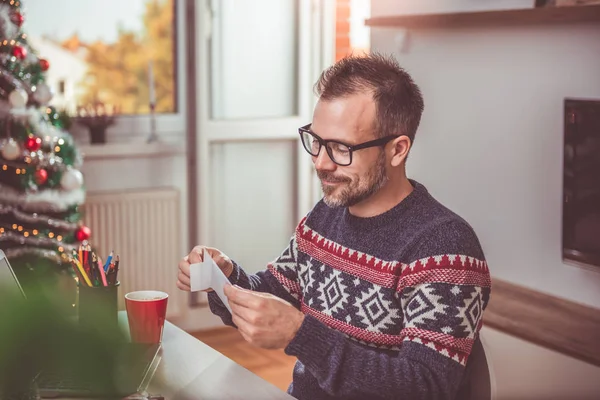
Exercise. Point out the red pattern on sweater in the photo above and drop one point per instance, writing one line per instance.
(367, 267)
(352, 331)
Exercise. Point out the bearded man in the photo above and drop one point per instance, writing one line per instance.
(381, 291)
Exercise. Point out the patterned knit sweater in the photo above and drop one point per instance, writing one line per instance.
(393, 303)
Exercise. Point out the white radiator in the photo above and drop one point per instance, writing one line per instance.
(143, 227)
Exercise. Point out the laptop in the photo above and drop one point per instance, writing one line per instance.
(136, 361)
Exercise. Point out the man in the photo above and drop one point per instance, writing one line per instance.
(381, 291)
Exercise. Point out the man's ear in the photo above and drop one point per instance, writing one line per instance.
(399, 150)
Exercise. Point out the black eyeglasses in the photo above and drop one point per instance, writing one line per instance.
(339, 152)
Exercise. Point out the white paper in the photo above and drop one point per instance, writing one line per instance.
(208, 275)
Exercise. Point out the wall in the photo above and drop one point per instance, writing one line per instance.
(490, 148)
(525, 371)
(490, 142)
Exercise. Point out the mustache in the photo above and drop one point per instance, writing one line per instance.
(331, 177)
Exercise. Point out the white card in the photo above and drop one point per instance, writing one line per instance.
(208, 275)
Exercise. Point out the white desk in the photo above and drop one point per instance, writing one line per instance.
(189, 369)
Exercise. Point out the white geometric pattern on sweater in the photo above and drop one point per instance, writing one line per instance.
(471, 312)
(333, 293)
(286, 262)
(306, 275)
(421, 306)
(375, 311)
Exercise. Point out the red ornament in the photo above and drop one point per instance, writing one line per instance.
(18, 19)
(44, 64)
(41, 176)
(33, 143)
(83, 233)
(19, 52)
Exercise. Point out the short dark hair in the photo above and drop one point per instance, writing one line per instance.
(398, 100)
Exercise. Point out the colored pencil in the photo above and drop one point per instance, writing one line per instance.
(101, 270)
(108, 260)
(85, 277)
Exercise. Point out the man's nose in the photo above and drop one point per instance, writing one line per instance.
(323, 161)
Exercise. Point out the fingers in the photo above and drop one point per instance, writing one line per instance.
(195, 255)
(183, 278)
(248, 315)
(224, 264)
(221, 259)
(198, 249)
(243, 297)
(246, 328)
(184, 267)
(183, 286)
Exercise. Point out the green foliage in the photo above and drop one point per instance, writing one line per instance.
(67, 151)
(54, 179)
(38, 274)
(64, 120)
(36, 334)
(42, 333)
(55, 117)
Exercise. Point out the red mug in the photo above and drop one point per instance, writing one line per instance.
(146, 311)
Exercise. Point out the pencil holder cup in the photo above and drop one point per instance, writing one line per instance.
(98, 307)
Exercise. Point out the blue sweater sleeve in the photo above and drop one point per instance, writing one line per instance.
(279, 279)
(416, 372)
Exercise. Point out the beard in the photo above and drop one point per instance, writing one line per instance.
(353, 190)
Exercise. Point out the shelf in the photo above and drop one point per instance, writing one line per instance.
(555, 323)
(130, 150)
(533, 16)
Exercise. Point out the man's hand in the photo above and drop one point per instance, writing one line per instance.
(263, 320)
(195, 256)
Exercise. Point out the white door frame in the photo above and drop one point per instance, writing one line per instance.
(311, 50)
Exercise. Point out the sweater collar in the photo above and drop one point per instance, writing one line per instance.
(418, 194)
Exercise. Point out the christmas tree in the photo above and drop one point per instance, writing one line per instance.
(41, 186)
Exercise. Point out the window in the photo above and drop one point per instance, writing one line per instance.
(119, 53)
